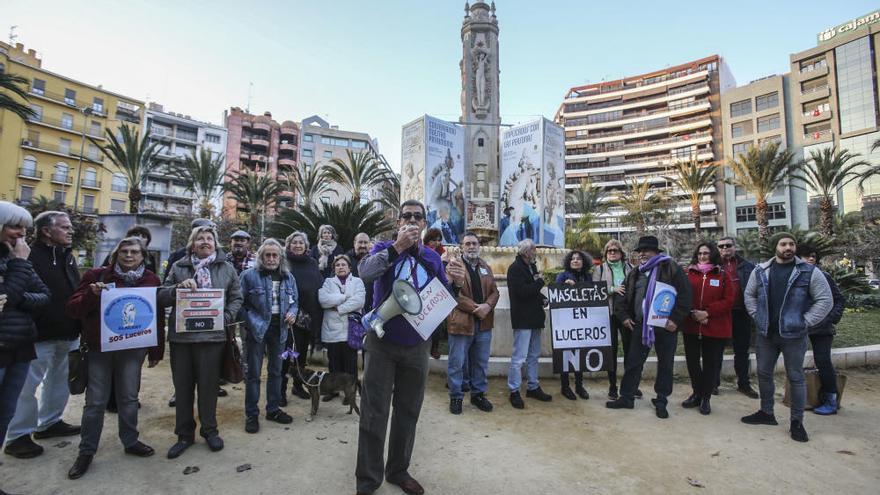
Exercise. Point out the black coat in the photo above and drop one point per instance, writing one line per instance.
(25, 294)
(57, 268)
(368, 300)
(328, 270)
(526, 300)
(836, 313)
(308, 281)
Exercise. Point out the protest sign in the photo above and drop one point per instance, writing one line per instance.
(128, 318)
(661, 304)
(581, 326)
(437, 303)
(199, 310)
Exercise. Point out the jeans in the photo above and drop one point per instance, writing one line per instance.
(12, 379)
(793, 351)
(703, 375)
(196, 366)
(119, 369)
(742, 339)
(469, 358)
(624, 339)
(822, 358)
(394, 375)
(254, 353)
(526, 349)
(50, 371)
(664, 345)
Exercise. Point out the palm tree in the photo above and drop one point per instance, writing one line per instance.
(135, 157)
(202, 174)
(389, 196)
(349, 218)
(307, 183)
(694, 180)
(831, 170)
(257, 191)
(41, 203)
(11, 83)
(642, 205)
(760, 171)
(359, 173)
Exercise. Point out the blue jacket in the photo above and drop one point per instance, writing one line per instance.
(256, 285)
(806, 302)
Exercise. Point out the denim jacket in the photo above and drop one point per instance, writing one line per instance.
(256, 311)
(806, 302)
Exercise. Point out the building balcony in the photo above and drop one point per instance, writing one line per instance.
(161, 133)
(118, 188)
(63, 152)
(815, 93)
(695, 138)
(66, 126)
(818, 137)
(89, 210)
(62, 179)
(260, 142)
(185, 136)
(606, 91)
(287, 162)
(628, 105)
(262, 126)
(813, 71)
(287, 147)
(585, 169)
(816, 116)
(90, 184)
(675, 111)
(29, 173)
(669, 127)
(288, 132)
(259, 158)
(97, 110)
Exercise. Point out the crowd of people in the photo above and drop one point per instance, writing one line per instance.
(288, 300)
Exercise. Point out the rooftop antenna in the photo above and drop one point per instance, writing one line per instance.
(250, 91)
(12, 35)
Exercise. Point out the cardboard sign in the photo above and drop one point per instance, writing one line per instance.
(661, 305)
(199, 310)
(437, 303)
(128, 318)
(580, 326)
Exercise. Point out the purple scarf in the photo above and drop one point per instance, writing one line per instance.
(648, 330)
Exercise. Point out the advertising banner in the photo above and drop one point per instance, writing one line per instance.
(199, 310)
(553, 218)
(412, 158)
(521, 184)
(128, 318)
(444, 178)
(581, 326)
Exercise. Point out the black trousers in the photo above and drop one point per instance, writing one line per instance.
(741, 339)
(624, 338)
(341, 358)
(822, 359)
(664, 345)
(703, 375)
(196, 366)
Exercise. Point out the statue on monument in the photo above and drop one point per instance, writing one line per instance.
(481, 73)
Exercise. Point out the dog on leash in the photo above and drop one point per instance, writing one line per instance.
(321, 383)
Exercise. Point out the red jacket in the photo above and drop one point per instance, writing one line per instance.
(713, 292)
(86, 307)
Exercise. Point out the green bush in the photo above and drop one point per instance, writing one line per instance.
(550, 275)
(863, 301)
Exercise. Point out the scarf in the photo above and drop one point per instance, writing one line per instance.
(326, 248)
(129, 278)
(342, 280)
(705, 267)
(651, 265)
(202, 274)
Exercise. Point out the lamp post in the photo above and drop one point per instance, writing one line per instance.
(86, 111)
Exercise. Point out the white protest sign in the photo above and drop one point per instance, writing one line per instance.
(580, 326)
(128, 318)
(661, 305)
(437, 303)
(199, 310)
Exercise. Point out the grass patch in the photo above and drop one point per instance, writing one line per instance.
(858, 328)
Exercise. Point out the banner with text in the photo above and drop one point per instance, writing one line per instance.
(581, 327)
(199, 310)
(128, 318)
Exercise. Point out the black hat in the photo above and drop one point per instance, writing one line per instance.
(649, 242)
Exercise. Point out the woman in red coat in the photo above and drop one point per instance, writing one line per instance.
(709, 323)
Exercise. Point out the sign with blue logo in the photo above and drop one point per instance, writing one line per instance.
(661, 305)
(128, 318)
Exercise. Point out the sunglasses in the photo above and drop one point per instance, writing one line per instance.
(410, 215)
(725, 246)
(613, 250)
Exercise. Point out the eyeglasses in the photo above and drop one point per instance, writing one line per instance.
(410, 215)
(612, 250)
(725, 246)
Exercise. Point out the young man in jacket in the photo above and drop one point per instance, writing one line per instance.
(739, 270)
(785, 296)
(57, 334)
(524, 283)
(470, 329)
(634, 309)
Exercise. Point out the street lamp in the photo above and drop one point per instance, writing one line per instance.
(86, 111)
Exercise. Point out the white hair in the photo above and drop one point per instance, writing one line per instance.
(294, 235)
(258, 263)
(524, 245)
(13, 215)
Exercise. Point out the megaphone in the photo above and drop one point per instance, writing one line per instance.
(404, 298)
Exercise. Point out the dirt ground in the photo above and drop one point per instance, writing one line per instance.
(559, 447)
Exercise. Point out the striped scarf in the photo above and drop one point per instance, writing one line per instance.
(202, 274)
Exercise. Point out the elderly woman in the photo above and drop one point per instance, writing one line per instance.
(113, 372)
(308, 320)
(709, 324)
(340, 295)
(326, 250)
(196, 356)
(22, 293)
(270, 306)
(613, 272)
(576, 269)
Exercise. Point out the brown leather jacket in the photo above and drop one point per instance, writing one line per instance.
(461, 320)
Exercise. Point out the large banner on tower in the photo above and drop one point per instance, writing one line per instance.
(521, 184)
(553, 218)
(412, 157)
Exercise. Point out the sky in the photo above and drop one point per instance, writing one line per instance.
(372, 66)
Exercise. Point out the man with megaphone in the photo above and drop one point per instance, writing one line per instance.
(395, 354)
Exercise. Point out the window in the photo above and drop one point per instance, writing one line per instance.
(768, 123)
(326, 140)
(61, 172)
(98, 104)
(93, 152)
(308, 138)
(64, 146)
(775, 211)
(59, 196)
(308, 153)
(741, 148)
(740, 193)
(29, 166)
(740, 108)
(89, 203)
(26, 194)
(117, 206)
(855, 85)
(340, 142)
(770, 100)
(67, 121)
(119, 184)
(91, 178)
(38, 110)
(33, 137)
(38, 87)
(362, 144)
(328, 154)
(212, 138)
(95, 129)
(740, 129)
(70, 97)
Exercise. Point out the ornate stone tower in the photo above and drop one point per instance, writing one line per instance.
(480, 117)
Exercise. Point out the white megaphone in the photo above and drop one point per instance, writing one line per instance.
(404, 298)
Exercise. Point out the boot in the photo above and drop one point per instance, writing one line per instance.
(829, 405)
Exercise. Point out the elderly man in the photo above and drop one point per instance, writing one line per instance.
(396, 365)
(359, 252)
(524, 284)
(470, 329)
(240, 251)
(786, 296)
(634, 308)
(57, 334)
(739, 270)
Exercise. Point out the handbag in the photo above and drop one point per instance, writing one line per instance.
(230, 367)
(78, 369)
(356, 331)
(303, 320)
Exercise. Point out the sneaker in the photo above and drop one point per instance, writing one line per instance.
(619, 403)
(691, 402)
(582, 393)
(660, 409)
(539, 394)
(455, 406)
(481, 402)
(516, 400)
(798, 433)
(829, 405)
(612, 393)
(252, 424)
(23, 447)
(279, 416)
(567, 393)
(58, 429)
(638, 394)
(748, 391)
(759, 418)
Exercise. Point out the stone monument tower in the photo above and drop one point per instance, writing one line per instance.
(480, 117)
